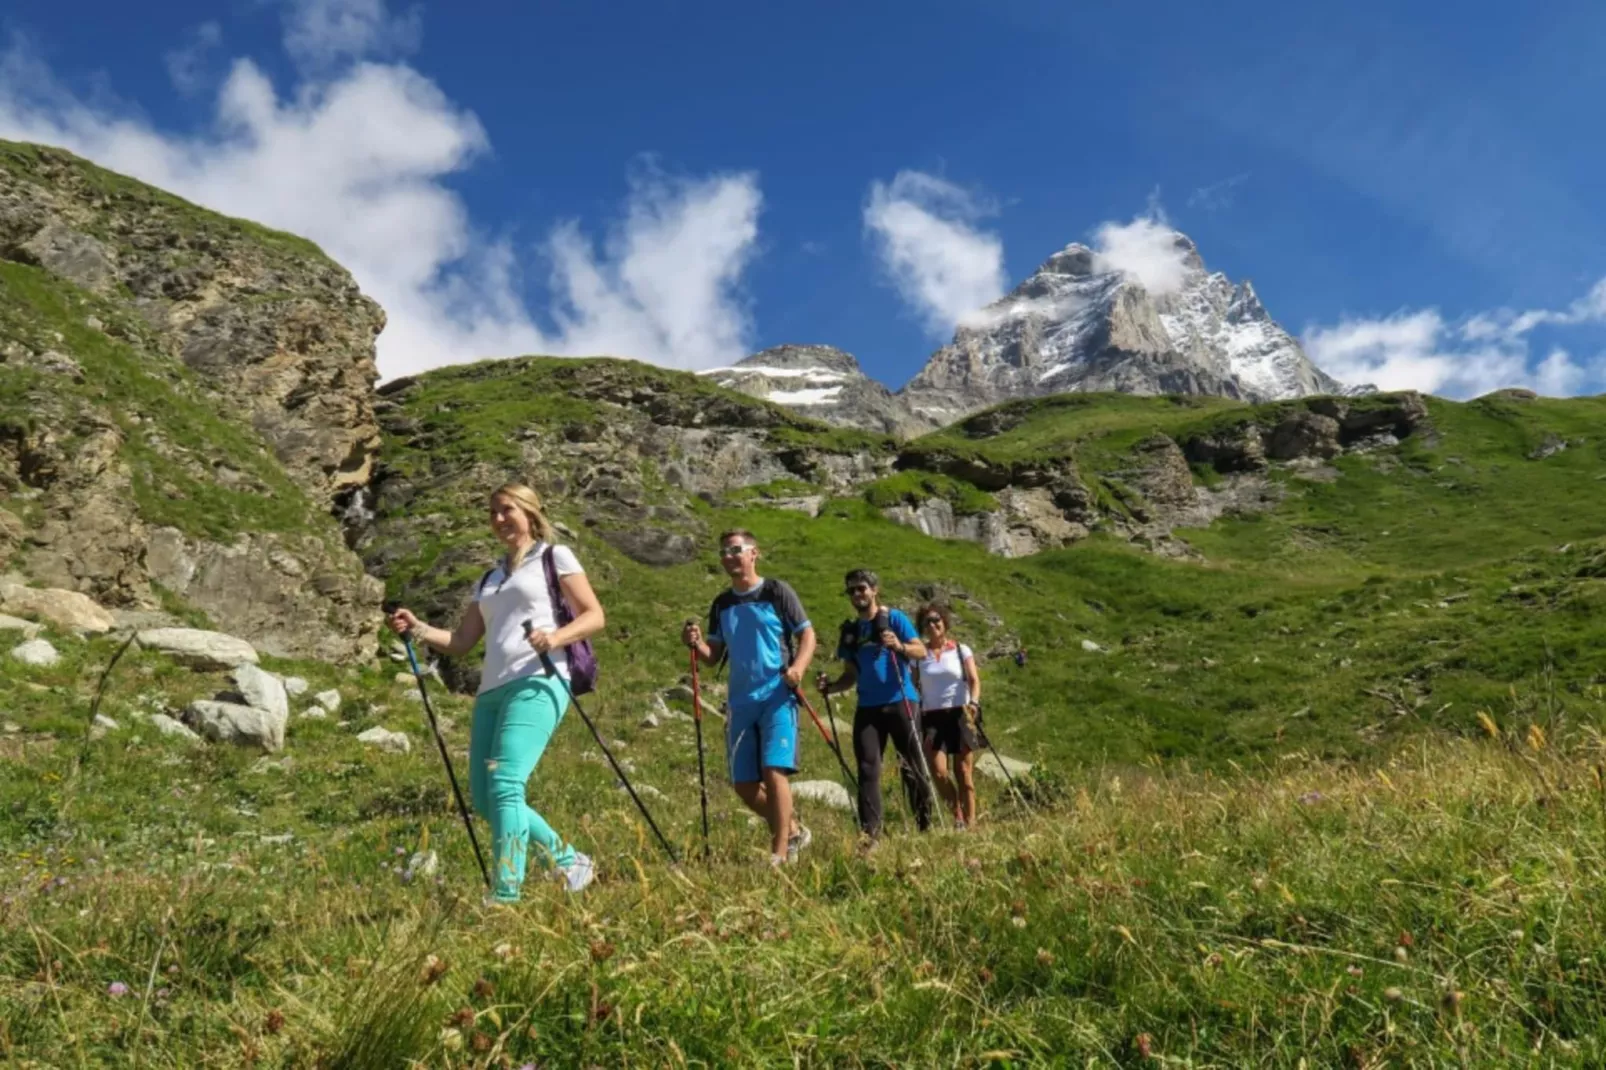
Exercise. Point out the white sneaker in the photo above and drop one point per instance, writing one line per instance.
(797, 841)
(579, 874)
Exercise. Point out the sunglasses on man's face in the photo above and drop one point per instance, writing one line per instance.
(858, 589)
(733, 551)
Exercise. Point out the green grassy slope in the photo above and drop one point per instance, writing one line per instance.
(1404, 594)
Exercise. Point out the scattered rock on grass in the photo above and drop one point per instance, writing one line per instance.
(36, 652)
(16, 624)
(828, 792)
(169, 727)
(987, 765)
(101, 725)
(295, 686)
(329, 700)
(203, 650)
(66, 609)
(385, 739)
(262, 690)
(1092, 648)
(228, 722)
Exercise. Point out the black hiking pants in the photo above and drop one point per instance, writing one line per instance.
(872, 727)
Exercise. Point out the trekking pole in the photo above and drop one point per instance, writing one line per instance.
(883, 623)
(451, 774)
(830, 737)
(702, 778)
(551, 671)
(999, 758)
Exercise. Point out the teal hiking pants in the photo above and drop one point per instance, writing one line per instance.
(512, 725)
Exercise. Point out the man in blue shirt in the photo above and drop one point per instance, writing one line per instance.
(887, 699)
(760, 626)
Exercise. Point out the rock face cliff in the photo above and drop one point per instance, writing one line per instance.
(1075, 327)
(185, 399)
(826, 383)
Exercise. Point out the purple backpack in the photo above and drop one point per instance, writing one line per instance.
(582, 659)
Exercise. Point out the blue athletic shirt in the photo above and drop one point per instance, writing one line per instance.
(878, 676)
(757, 629)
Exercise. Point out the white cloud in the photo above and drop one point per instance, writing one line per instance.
(1145, 250)
(318, 33)
(1487, 351)
(184, 64)
(357, 160)
(926, 235)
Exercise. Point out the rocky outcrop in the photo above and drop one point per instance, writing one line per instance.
(183, 399)
(1046, 504)
(825, 383)
(277, 331)
(1075, 326)
(68, 610)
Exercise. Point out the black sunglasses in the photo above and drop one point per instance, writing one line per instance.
(933, 620)
(858, 588)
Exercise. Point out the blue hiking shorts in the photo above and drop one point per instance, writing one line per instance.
(762, 735)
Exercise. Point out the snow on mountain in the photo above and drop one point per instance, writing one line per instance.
(822, 382)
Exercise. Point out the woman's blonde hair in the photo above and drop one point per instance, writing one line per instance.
(529, 503)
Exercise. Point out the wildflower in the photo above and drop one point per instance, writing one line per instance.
(480, 1042)
(1486, 722)
(1145, 1045)
(274, 1021)
(434, 969)
(1311, 797)
(1018, 921)
(601, 951)
(1536, 737)
(1392, 994)
(1045, 957)
(984, 975)
(1401, 955)
(462, 1018)
(117, 988)
(483, 989)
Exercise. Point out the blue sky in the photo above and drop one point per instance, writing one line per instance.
(1413, 187)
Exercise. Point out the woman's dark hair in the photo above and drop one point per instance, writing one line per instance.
(940, 610)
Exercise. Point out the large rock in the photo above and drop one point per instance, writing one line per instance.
(825, 383)
(16, 624)
(169, 727)
(826, 792)
(207, 651)
(229, 722)
(262, 690)
(68, 610)
(988, 765)
(36, 652)
(386, 740)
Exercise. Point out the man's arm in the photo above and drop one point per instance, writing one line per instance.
(806, 644)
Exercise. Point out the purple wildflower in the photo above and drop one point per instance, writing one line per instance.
(117, 988)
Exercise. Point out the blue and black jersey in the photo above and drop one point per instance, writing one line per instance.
(879, 673)
(758, 630)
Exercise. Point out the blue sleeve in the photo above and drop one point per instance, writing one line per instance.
(902, 626)
(712, 633)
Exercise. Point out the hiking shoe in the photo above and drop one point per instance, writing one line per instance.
(797, 841)
(578, 874)
(959, 824)
(777, 861)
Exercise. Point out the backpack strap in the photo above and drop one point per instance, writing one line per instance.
(479, 588)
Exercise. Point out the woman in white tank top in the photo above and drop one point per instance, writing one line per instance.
(950, 688)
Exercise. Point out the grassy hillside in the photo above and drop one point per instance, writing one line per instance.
(1399, 590)
(170, 905)
(1329, 793)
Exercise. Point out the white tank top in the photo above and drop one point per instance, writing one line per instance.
(942, 678)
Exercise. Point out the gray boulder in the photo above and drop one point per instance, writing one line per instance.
(68, 610)
(826, 792)
(988, 766)
(203, 650)
(228, 722)
(262, 690)
(169, 727)
(385, 739)
(16, 624)
(295, 686)
(36, 652)
(328, 700)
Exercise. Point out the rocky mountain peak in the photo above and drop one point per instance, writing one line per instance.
(1076, 325)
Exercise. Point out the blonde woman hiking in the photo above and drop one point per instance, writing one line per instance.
(518, 706)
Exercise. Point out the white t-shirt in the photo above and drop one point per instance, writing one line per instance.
(506, 602)
(942, 678)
